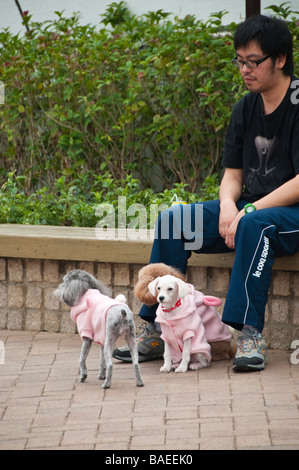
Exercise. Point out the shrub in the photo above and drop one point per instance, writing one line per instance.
(91, 114)
(75, 203)
(146, 95)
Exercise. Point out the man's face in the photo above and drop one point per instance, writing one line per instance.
(264, 76)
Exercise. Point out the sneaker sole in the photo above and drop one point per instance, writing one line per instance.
(248, 367)
(140, 358)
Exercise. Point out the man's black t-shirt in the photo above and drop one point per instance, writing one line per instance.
(266, 147)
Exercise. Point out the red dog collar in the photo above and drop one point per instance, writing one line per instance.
(178, 304)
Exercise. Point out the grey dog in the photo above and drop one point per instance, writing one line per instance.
(118, 322)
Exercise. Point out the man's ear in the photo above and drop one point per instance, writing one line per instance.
(280, 61)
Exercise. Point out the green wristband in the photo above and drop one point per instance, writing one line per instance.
(249, 208)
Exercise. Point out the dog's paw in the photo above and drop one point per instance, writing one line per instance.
(181, 368)
(83, 377)
(165, 369)
(199, 365)
(106, 385)
(196, 366)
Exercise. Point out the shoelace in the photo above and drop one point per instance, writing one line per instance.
(142, 330)
(247, 343)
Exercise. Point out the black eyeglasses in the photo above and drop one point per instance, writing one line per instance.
(251, 64)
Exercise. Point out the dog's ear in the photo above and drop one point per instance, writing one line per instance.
(184, 288)
(153, 286)
(59, 292)
(72, 292)
(100, 286)
(142, 293)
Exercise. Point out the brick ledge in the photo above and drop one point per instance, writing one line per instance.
(84, 244)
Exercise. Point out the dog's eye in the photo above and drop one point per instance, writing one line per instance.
(170, 289)
(158, 288)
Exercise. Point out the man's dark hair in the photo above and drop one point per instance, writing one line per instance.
(272, 35)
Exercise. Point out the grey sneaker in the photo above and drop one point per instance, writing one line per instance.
(251, 352)
(150, 346)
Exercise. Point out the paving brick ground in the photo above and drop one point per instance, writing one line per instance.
(44, 406)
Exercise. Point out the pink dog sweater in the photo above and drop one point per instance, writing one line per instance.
(90, 315)
(195, 318)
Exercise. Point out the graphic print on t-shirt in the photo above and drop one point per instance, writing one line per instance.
(265, 148)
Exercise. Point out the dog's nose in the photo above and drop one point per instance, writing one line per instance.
(161, 298)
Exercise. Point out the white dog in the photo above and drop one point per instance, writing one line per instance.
(188, 322)
(100, 319)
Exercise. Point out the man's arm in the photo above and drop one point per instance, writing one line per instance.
(286, 195)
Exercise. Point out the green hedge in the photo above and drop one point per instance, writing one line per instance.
(141, 94)
(144, 99)
(76, 203)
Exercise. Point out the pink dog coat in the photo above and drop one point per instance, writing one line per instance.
(195, 318)
(90, 315)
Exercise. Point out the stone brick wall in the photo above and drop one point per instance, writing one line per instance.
(27, 301)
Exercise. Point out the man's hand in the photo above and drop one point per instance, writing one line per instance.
(230, 235)
(228, 221)
(228, 214)
(230, 192)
